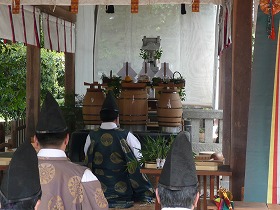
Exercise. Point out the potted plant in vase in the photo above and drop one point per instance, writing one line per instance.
(155, 151)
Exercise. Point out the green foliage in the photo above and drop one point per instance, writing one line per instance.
(182, 93)
(158, 53)
(156, 148)
(143, 54)
(52, 74)
(151, 150)
(13, 78)
(113, 83)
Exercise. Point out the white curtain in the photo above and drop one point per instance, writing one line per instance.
(59, 34)
(188, 43)
(84, 48)
(22, 27)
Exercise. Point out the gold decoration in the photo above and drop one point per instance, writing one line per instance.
(134, 184)
(134, 6)
(124, 146)
(15, 6)
(100, 199)
(47, 172)
(195, 6)
(99, 172)
(76, 189)
(55, 203)
(120, 187)
(106, 139)
(116, 158)
(98, 158)
(74, 6)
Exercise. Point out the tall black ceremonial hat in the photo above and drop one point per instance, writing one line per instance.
(110, 102)
(21, 180)
(179, 168)
(51, 119)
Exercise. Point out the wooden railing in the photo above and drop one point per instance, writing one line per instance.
(18, 129)
(205, 121)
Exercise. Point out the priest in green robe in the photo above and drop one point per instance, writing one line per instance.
(109, 149)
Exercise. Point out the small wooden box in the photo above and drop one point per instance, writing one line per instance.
(206, 166)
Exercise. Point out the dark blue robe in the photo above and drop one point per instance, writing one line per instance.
(107, 157)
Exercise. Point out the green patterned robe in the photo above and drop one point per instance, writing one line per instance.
(107, 157)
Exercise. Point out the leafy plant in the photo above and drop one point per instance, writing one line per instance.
(158, 53)
(156, 148)
(144, 54)
(182, 93)
(156, 81)
(113, 83)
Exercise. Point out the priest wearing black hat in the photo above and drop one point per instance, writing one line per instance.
(109, 149)
(20, 187)
(65, 185)
(178, 183)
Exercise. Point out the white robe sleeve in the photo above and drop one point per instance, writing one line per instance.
(87, 144)
(134, 145)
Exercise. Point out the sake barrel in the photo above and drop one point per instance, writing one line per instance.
(169, 109)
(92, 104)
(133, 105)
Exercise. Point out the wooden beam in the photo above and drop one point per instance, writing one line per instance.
(32, 89)
(69, 73)
(241, 82)
(225, 97)
(59, 11)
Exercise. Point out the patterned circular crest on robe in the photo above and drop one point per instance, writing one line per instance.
(116, 158)
(76, 189)
(106, 139)
(124, 146)
(98, 171)
(47, 172)
(131, 170)
(100, 198)
(120, 187)
(265, 6)
(55, 203)
(134, 184)
(98, 158)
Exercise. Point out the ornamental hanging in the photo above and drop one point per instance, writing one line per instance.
(270, 7)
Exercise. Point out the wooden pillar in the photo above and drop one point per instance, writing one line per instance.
(225, 95)
(69, 77)
(32, 89)
(241, 81)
